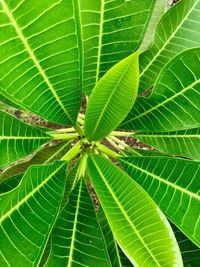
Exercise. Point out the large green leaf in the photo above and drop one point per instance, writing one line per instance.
(174, 185)
(112, 98)
(184, 143)
(174, 104)
(77, 239)
(12, 176)
(160, 7)
(18, 139)
(136, 222)
(40, 57)
(112, 30)
(28, 214)
(177, 31)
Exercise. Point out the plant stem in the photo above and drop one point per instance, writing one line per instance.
(64, 136)
(118, 141)
(107, 151)
(82, 165)
(78, 129)
(65, 130)
(120, 133)
(73, 152)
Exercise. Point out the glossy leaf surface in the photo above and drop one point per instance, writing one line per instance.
(137, 224)
(18, 139)
(177, 31)
(111, 31)
(174, 104)
(77, 239)
(39, 57)
(184, 143)
(174, 185)
(28, 214)
(112, 98)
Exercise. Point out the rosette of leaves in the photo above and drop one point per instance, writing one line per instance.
(147, 202)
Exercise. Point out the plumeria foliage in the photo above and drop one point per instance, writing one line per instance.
(111, 175)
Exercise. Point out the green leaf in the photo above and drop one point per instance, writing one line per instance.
(174, 104)
(137, 224)
(28, 214)
(12, 176)
(39, 57)
(177, 31)
(184, 143)
(190, 253)
(77, 239)
(18, 139)
(174, 185)
(111, 30)
(112, 98)
(160, 7)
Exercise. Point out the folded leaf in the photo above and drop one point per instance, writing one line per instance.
(39, 57)
(28, 214)
(112, 30)
(174, 185)
(174, 104)
(138, 225)
(160, 7)
(184, 143)
(112, 98)
(77, 239)
(11, 177)
(177, 31)
(18, 139)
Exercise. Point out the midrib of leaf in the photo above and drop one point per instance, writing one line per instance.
(177, 187)
(124, 213)
(32, 56)
(168, 41)
(74, 227)
(100, 39)
(108, 101)
(164, 102)
(78, 23)
(25, 199)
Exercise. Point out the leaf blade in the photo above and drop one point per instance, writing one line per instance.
(32, 49)
(106, 177)
(18, 139)
(30, 220)
(177, 197)
(112, 98)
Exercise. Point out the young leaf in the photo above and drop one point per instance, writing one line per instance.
(39, 57)
(28, 214)
(111, 30)
(174, 104)
(18, 139)
(112, 98)
(184, 143)
(77, 239)
(137, 224)
(177, 31)
(174, 185)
